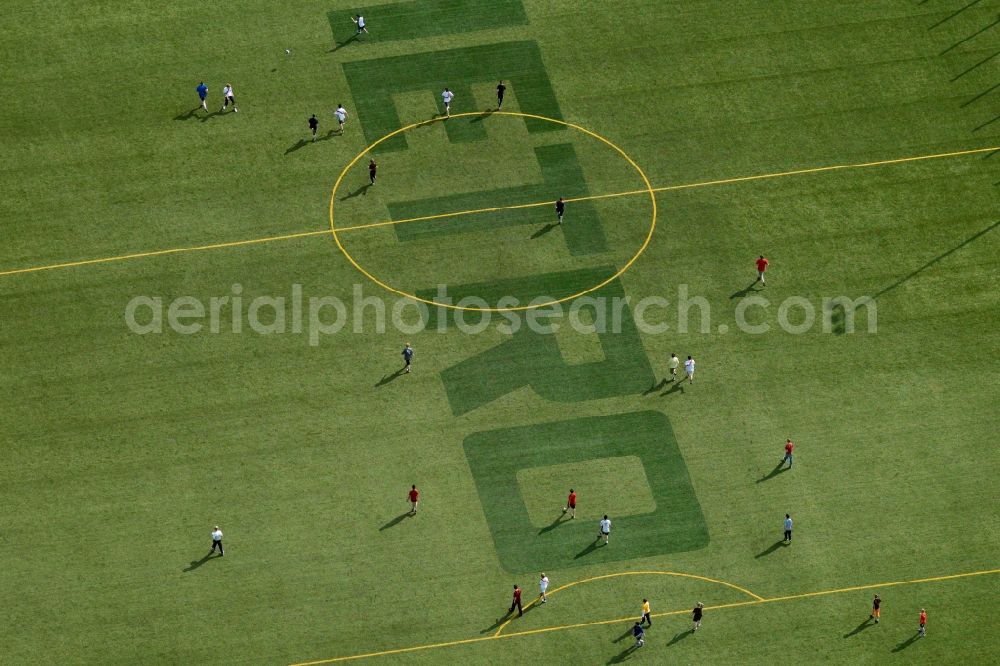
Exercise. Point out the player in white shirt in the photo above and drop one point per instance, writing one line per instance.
(673, 365)
(689, 369)
(217, 542)
(543, 585)
(227, 94)
(341, 114)
(605, 529)
(360, 21)
(446, 97)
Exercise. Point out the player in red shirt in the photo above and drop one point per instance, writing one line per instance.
(516, 603)
(414, 497)
(788, 454)
(923, 622)
(761, 267)
(571, 504)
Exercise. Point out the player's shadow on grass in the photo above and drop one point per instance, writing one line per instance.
(770, 549)
(626, 634)
(656, 387)
(302, 143)
(220, 112)
(774, 472)
(344, 43)
(483, 116)
(361, 191)
(188, 115)
(197, 563)
(744, 291)
(496, 625)
(937, 259)
(680, 636)
(594, 545)
(953, 14)
(907, 643)
(544, 230)
(624, 654)
(861, 627)
(962, 41)
(678, 385)
(986, 124)
(388, 378)
(395, 521)
(555, 523)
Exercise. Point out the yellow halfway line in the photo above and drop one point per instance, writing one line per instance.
(671, 188)
(157, 253)
(493, 209)
(594, 623)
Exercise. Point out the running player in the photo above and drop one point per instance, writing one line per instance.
(446, 97)
(228, 98)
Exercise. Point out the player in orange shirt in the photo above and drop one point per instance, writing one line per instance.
(923, 623)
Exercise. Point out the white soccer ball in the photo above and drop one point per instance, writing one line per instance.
(288, 52)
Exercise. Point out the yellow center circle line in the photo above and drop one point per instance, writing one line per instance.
(649, 189)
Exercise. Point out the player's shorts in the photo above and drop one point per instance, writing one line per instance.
(876, 612)
(341, 119)
(603, 533)
(572, 505)
(230, 99)
(690, 373)
(760, 274)
(202, 96)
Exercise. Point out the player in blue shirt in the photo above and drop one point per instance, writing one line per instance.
(407, 356)
(203, 94)
(639, 633)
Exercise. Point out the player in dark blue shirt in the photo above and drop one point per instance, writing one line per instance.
(202, 94)
(501, 89)
(407, 356)
(313, 125)
(638, 632)
(560, 209)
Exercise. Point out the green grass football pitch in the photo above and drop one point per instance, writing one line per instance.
(874, 128)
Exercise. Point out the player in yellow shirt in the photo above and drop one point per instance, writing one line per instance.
(645, 613)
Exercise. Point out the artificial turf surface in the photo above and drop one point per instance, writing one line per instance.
(121, 451)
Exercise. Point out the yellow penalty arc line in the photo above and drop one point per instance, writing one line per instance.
(324, 232)
(753, 602)
(635, 573)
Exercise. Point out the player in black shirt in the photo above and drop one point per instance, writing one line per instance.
(372, 170)
(560, 208)
(501, 89)
(313, 125)
(696, 616)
